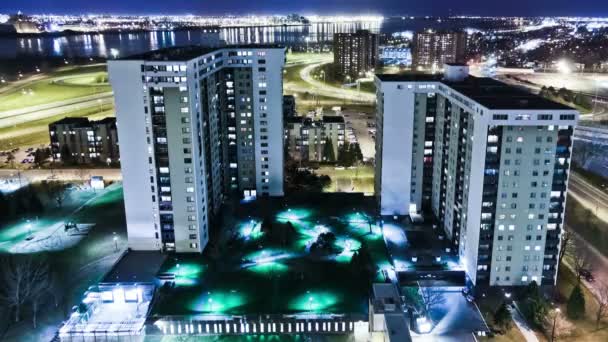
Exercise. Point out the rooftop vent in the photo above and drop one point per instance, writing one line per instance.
(455, 72)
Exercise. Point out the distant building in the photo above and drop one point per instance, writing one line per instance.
(86, 141)
(490, 162)
(433, 49)
(306, 139)
(398, 56)
(355, 53)
(289, 105)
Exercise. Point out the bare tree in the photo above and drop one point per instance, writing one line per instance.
(430, 299)
(580, 260)
(38, 287)
(602, 304)
(20, 279)
(567, 245)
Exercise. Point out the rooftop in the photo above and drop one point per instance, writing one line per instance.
(397, 328)
(409, 77)
(186, 53)
(71, 121)
(136, 266)
(488, 92)
(333, 119)
(494, 94)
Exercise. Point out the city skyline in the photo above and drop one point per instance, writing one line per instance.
(382, 7)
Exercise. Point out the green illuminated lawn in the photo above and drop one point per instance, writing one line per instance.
(58, 86)
(254, 274)
(80, 206)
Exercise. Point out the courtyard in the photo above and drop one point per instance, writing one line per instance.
(254, 269)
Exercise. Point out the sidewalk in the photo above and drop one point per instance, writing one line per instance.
(522, 325)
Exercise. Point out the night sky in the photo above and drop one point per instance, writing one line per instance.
(385, 7)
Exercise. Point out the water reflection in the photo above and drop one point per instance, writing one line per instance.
(99, 45)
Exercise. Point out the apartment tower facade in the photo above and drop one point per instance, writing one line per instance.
(196, 125)
(355, 53)
(488, 162)
(433, 49)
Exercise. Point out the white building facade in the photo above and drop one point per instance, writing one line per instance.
(488, 162)
(198, 124)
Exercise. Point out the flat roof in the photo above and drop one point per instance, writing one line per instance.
(494, 94)
(486, 91)
(188, 52)
(397, 328)
(384, 290)
(333, 119)
(71, 121)
(136, 266)
(409, 77)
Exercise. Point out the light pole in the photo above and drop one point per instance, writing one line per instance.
(116, 243)
(310, 303)
(557, 310)
(210, 301)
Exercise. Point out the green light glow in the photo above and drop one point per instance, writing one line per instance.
(187, 274)
(218, 301)
(269, 268)
(293, 214)
(362, 225)
(315, 301)
(348, 247)
(251, 229)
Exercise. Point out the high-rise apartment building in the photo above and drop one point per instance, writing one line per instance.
(196, 124)
(433, 49)
(314, 140)
(488, 161)
(86, 141)
(355, 53)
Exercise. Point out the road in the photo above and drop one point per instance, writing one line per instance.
(596, 200)
(598, 261)
(588, 195)
(322, 89)
(593, 85)
(27, 114)
(38, 175)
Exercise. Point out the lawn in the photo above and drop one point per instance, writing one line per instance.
(584, 329)
(585, 223)
(488, 305)
(255, 275)
(59, 85)
(360, 179)
(79, 266)
(34, 133)
(80, 206)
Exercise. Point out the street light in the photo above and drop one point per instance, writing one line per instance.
(116, 243)
(557, 311)
(210, 301)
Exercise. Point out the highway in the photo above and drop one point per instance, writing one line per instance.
(589, 196)
(27, 114)
(322, 89)
(593, 85)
